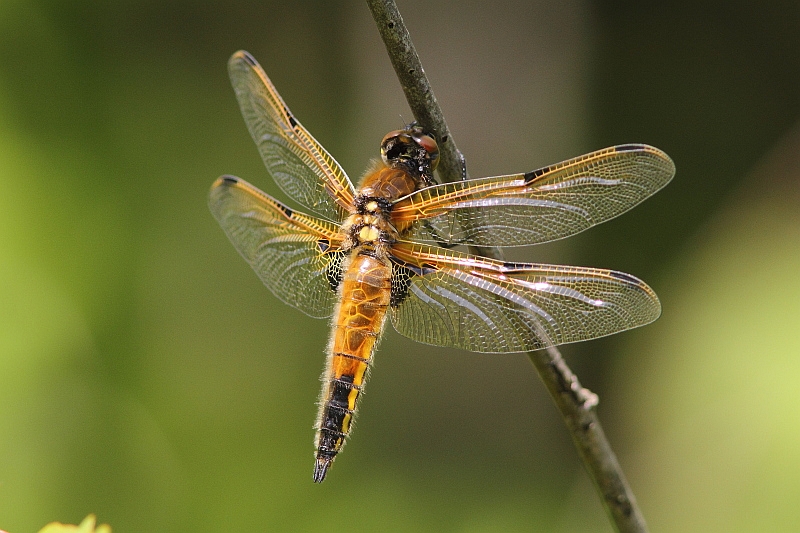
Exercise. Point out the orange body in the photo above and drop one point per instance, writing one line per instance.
(364, 296)
(359, 321)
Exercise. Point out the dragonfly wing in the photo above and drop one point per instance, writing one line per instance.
(446, 298)
(302, 168)
(540, 206)
(297, 256)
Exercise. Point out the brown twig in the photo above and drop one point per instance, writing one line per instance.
(420, 97)
(576, 404)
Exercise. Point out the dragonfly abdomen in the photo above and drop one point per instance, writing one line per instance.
(358, 322)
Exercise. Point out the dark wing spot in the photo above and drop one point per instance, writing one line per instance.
(629, 147)
(292, 120)
(625, 277)
(286, 211)
(229, 180)
(250, 59)
(533, 174)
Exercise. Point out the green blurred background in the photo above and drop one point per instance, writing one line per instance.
(147, 376)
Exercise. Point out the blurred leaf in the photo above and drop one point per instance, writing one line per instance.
(87, 526)
(713, 398)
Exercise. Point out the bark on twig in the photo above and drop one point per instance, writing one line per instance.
(575, 403)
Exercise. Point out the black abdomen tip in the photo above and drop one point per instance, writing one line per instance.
(321, 468)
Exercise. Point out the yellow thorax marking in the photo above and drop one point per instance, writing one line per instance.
(368, 234)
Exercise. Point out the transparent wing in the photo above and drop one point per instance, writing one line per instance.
(296, 256)
(540, 206)
(297, 162)
(447, 298)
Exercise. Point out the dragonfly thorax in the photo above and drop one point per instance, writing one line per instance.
(370, 228)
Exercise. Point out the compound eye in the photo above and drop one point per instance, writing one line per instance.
(394, 144)
(429, 144)
(392, 135)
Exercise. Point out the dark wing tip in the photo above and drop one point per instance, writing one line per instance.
(321, 468)
(218, 190)
(228, 180)
(225, 181)
(632, 147)
(651, 306)
(639, 147)
(628, 278)
(665, 162)
(244, 55)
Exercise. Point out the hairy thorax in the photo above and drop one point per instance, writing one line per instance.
(370, 226)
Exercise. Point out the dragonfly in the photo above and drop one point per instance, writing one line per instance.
(385, 249)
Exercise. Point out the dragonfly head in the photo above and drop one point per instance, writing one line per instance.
(411, 147)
